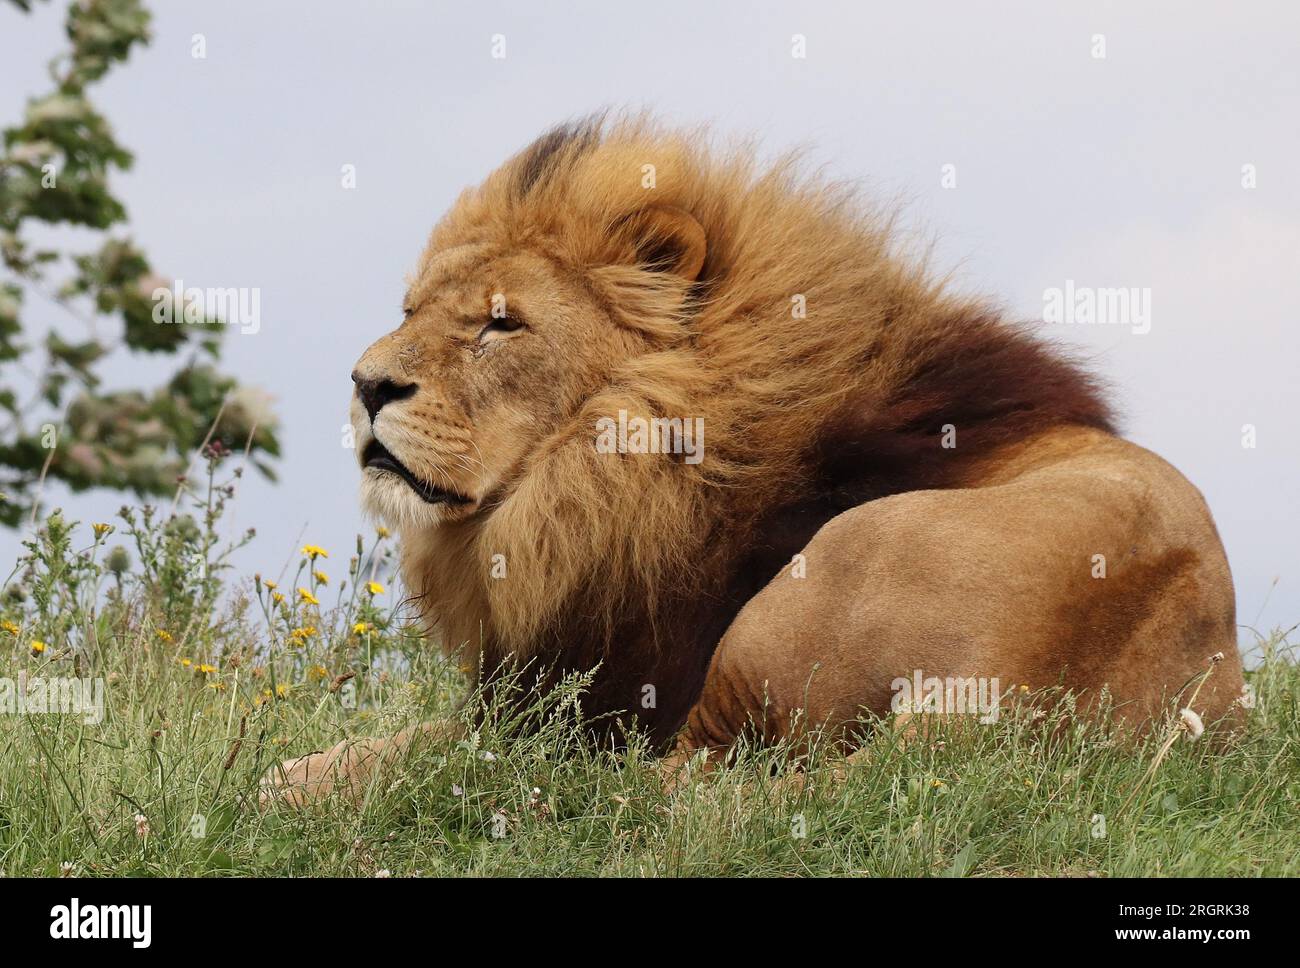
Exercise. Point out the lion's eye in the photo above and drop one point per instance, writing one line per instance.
(498, 328)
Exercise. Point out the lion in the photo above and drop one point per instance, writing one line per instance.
(888, 480)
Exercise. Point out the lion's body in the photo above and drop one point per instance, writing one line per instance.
(831, 376)
(1080, 560)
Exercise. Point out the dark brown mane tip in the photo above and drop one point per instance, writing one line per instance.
(558, 147)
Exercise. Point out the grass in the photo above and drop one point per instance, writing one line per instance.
(207, 683)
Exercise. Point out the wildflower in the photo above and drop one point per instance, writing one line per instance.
(457, 790)
(317, 672)
(186, 662)
(301, 635)
(938, 784)
(1193, 723)
(361, 628)
(272, 586)
(118, 561)
(141, 825)
(37, 647)
(384, 873)
(321, 577)
(10, 627)
(277, 597)
(381, 531)
(66, 869)
(218, 685)
(314, 551)
(489, 756)
(374, 588)
(308, 597)
(1024, 688)
(101, 529)
(165, 635)
(1247, 698)
(205, 669)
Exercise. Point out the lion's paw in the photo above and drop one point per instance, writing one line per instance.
(307, 779)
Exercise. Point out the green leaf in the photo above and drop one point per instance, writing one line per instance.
(963, 862)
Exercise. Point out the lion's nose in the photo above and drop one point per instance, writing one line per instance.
(376, 394)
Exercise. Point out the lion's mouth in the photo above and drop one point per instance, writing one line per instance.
(379, 457)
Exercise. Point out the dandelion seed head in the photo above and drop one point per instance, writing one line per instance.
(1195, 727)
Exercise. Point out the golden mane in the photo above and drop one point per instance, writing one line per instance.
(824, 365)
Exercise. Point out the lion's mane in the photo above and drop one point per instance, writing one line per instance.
(639, 563)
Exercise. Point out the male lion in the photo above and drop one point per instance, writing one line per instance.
(891, 481)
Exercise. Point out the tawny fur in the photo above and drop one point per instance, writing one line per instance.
(620, 267)
(659, 277)
(730, 350)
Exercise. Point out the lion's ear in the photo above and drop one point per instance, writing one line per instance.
(668, 239)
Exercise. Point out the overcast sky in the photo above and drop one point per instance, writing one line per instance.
(1124, 171)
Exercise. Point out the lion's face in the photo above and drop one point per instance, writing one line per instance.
(498, 348)
(535, 292)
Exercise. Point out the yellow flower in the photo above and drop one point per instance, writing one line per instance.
(308, 597)
(301, 635)
(270, 584)
(10, 627)
(374, 588)
(361, 628)
(186, 662)
(37, 647)
(321, 577)
(317, 672)
(381, 531)
(101, 529)
(165, 635)
(206, 669)
(218, 685)
(938, 784)
(277, 597)
(314, 551)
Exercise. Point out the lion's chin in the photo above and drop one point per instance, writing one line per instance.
(388, 498)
